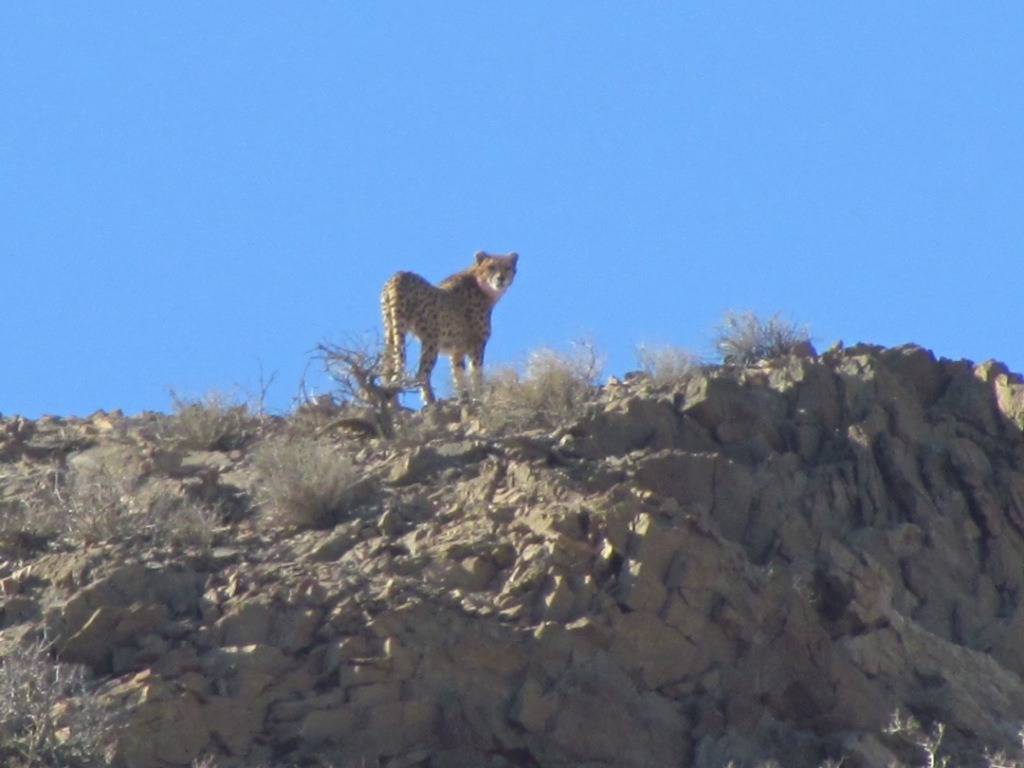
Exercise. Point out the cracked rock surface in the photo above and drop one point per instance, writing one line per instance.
(751, 564)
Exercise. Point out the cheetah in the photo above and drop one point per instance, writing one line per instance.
(452, 318)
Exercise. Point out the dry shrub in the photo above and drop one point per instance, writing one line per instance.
(105, 504)
(356, 368)
(916, 745)
(99, 505)
(48, 717)
(215, 422)
(305, 483)
(211, 761)
(1000, 759)
(666, 366)
(743, 338)
(554, 389)
(907, 731)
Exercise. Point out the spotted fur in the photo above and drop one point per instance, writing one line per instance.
(452, 318)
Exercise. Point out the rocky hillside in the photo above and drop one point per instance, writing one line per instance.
(812, 560)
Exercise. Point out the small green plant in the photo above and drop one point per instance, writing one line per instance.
(554, 389)
(665, 365)
(304, 483)
(215, 422)
(743, 338)
(48, 717)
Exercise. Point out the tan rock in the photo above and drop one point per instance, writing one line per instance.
(656, 653)
(247, 623)
(108, 628)
(651, 551)
(762, 564)
(328, 726)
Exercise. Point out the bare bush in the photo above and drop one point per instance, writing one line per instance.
(743, 338)
(305, 483)
(356, 369)
(215, 422)
(48, 717)
(554, 389)
(666, 366)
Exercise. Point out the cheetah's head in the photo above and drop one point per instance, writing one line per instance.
(495, 273)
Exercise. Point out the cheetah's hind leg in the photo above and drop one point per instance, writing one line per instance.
(393, 373)
(476, 372)
(428, 359)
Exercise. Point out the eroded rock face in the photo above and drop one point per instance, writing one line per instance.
(760, 563)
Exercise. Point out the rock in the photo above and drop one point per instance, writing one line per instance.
(245, 624)
(342, 538)
(628, 425)
(650, 649)
(16, 609)
(764, 564)
(416, 465)
(130, 601)
(108, 628)
(594, 715)
(747, 421)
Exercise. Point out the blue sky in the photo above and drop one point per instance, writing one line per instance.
(194, 194)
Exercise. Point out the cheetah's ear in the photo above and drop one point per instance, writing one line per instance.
(480, 256)
(513, 257)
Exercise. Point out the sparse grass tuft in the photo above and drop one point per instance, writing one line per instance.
(554, 389)
(216, 422)
(172, 520)
(47, 715)
(743, 338)
(666, 366)
(305, 483)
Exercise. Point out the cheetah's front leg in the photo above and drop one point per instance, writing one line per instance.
(459, 376)
(476, 370)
